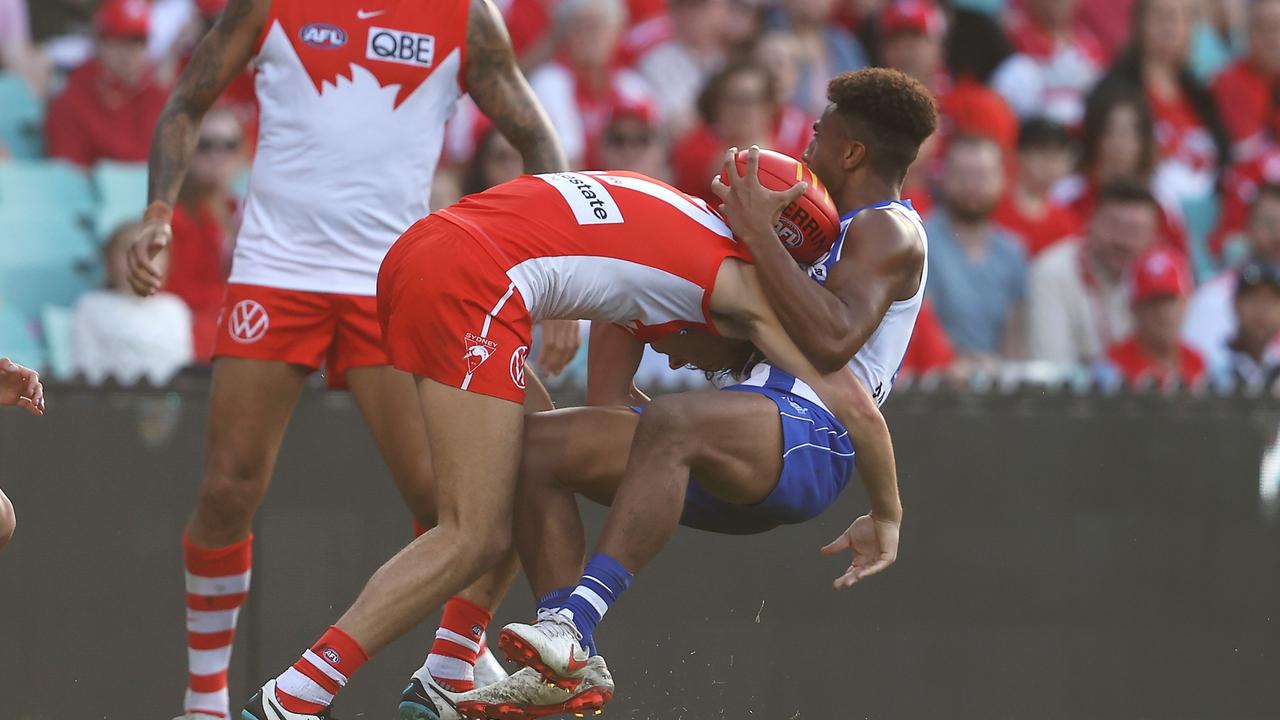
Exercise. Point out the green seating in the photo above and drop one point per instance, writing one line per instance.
(45, 258)
(45, 187)
(21, 117)
(18, 342)
(122, 195)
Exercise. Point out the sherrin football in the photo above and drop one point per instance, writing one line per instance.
(809, 226)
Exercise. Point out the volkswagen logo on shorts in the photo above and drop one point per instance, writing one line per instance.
(247, 322)
(517, 365)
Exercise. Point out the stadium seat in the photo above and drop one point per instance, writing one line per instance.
(56, 322)
(18, 342)
(1201, 216)
(45, 187)
(122, 195)
(21, 117)
(45, 258)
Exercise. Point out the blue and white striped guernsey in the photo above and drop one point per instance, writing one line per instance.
(877, 363)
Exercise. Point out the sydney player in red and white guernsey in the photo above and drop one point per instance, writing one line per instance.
(354, 95)
(752, 456)
(457, 296)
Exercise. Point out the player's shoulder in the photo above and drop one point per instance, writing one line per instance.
(889, 228)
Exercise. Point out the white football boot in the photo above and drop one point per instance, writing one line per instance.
(488, 670)
(526, 696)
(264, 706)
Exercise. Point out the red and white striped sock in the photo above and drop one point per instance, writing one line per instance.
(217, 584)
(309, 686)
(459, 640)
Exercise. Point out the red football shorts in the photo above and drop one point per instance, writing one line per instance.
(450, 313)
(338, 332)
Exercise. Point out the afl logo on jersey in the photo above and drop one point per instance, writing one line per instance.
(323, 36)
(401, 46)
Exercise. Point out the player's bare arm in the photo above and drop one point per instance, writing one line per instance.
(613, 357)
(217, 60)
(503, 94)
(20, 386)
(830, 324)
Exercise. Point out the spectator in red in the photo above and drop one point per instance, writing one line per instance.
(111, 103)
(779, 53)
(826, 49)
(1118, 144)
(1044, 159)
(1246, 97)
(737, 110)
(678, 68)
(204, 225)
(1077, 297)
(1253, 356)
(1191, 142)
(930, 350)
(630, 141)
(1210, 322)
(580, 88)
(1246, 90)
(1054, 65)
(1153, 353)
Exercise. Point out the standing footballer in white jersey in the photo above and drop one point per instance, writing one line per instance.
(749, 457)
(354, 95)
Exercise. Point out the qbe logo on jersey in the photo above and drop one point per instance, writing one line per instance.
(589, 200)
(401, 46)
(247, 322)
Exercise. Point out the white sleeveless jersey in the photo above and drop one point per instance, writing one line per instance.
(877, 363)
(353, 98)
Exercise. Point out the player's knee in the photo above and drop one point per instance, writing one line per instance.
(537, 465)
(232, 484)
(668, 421)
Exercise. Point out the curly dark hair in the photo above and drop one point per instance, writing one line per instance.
(890, 112)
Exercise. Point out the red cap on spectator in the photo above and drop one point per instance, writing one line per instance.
(211, 8)
(913, 16)
(635, 109)
(123, 19)
(1160, 273)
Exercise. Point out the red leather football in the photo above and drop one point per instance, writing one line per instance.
(809, 226)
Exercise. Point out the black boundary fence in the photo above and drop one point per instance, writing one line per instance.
(1064, 556)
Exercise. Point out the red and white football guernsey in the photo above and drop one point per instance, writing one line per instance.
(458, 293)
(354, 95)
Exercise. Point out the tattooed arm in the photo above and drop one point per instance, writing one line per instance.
(218, 59)
(502, 93)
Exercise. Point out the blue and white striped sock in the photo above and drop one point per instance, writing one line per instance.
(603, 582)
(554, 600)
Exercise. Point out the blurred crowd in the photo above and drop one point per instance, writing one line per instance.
(1102, 196)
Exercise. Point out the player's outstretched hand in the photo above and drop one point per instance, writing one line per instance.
(751, 208)
(560, 341)
(21, 386)
(153, 237)
(874, 544)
